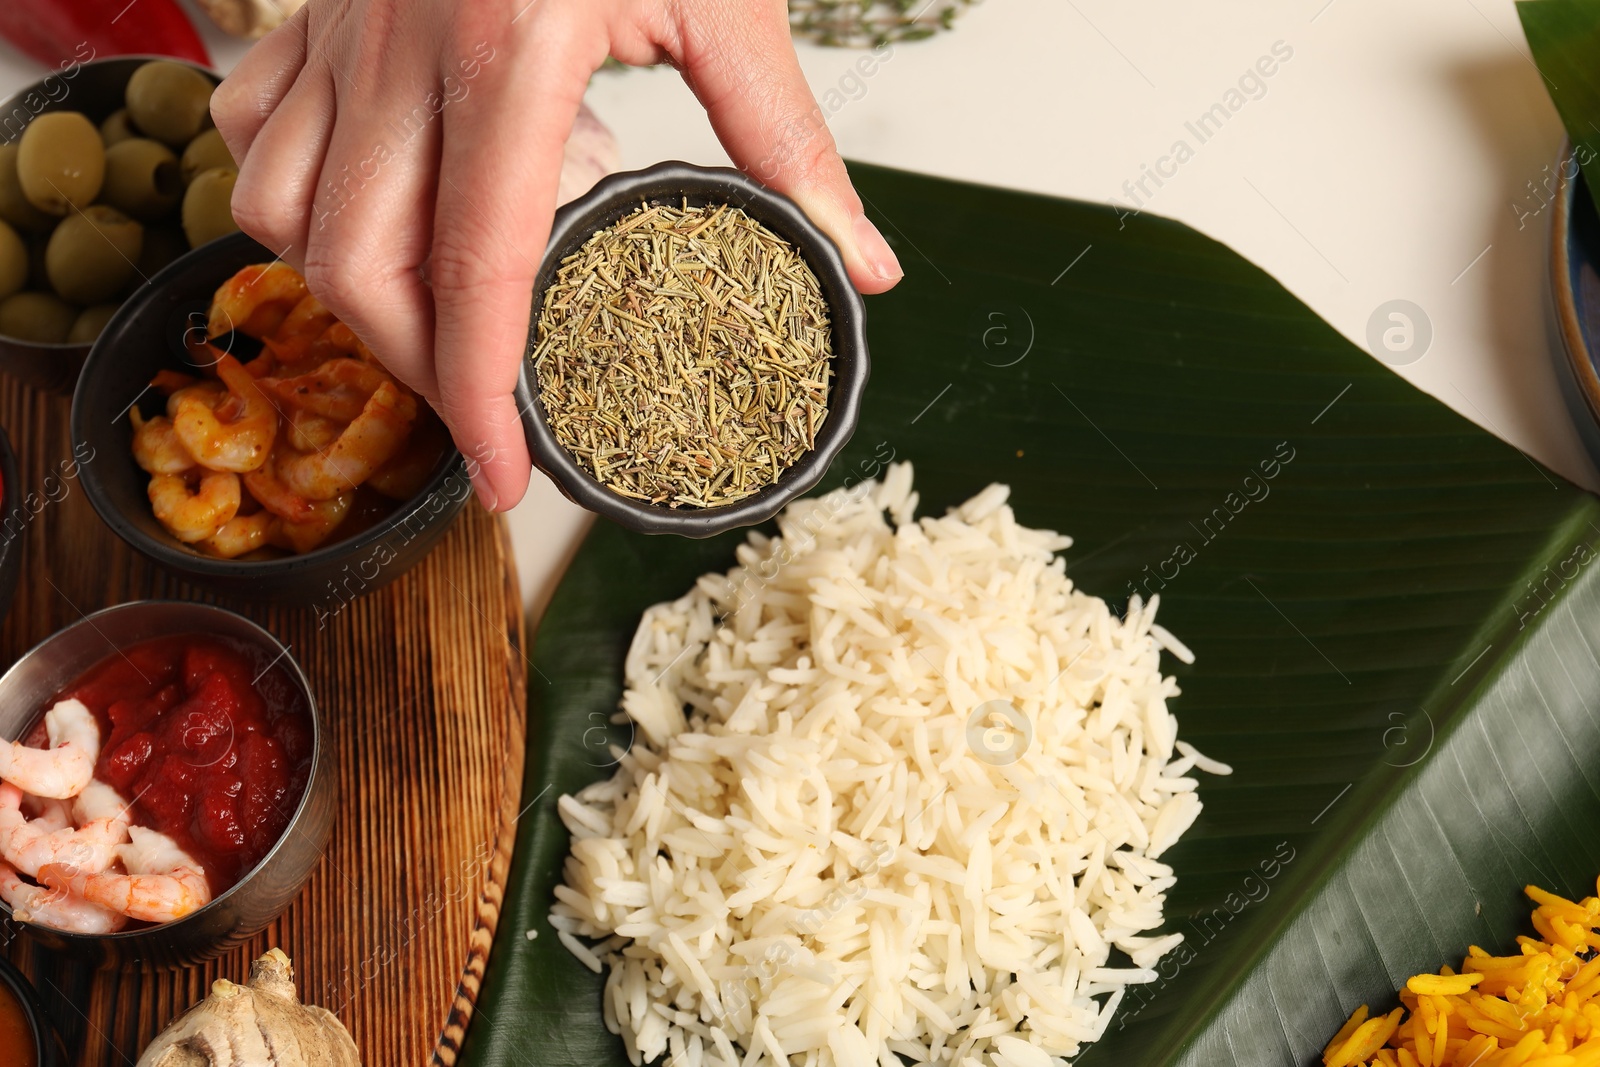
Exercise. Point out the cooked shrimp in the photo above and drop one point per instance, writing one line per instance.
(28, 846)
(170, 381)
(241, 534)
(163, 882)
(310, 433)
(404, 476)
(337, 389)
(193, 514)
(306, 321)
(326, 517)
(234, 433)
(268, 490)
(375, 436)
(55, 909)
(210, 388)
(340, 340)
(256, 300)
(63, 769)
(156, 447)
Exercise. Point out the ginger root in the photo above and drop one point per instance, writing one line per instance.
(259, 1024)
(250, 18)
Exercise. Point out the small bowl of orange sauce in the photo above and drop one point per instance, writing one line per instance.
(25, 1032)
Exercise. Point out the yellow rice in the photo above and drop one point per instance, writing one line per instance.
(1538, 1008)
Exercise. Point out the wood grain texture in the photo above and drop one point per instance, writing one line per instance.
(422, 689)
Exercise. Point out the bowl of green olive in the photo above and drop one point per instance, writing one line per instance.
(109, 170)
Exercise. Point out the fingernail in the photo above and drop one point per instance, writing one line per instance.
(485, 491)
(876, 251)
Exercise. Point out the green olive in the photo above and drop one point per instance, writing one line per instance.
(162, 245)
(142, 178)
(169, 101)
(60, 162)
(14, 206)
(42, 318)
(13, 261)
(205, 152)
(92, 254)
(90, 321)
(207, 213)
(117, 127)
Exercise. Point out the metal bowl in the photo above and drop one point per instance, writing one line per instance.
(146, 335)
(263, 893)
(95, 88)
(614, 197)
(46, 1043)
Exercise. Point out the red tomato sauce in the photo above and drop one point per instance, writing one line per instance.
(212, 747)
(16, 1034)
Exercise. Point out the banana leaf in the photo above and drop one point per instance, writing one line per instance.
(1396, 632)
(1565, 38)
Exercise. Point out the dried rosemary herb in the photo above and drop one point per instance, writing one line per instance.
(684, 354)
(871, 23)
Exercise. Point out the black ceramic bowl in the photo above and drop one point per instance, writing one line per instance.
(15, 514)
(616, 196)
(95, 88)
(1574, 306)
(46, 1047)
(265, 891)
(145, 335)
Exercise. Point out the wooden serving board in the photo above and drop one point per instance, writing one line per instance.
(422, 689)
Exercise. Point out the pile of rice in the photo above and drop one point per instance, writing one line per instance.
(897, 789)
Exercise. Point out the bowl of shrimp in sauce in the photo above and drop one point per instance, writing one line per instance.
(247, 440)
(165, 785)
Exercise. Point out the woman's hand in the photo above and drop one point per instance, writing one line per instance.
(405, 156)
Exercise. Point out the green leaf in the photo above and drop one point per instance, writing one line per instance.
(1396, 631)
(1565, 38)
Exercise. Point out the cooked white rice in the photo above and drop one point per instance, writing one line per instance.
(918, 796)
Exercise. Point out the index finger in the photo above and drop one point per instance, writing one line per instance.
(499, 170)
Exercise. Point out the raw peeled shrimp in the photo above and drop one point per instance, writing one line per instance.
(163, 881)
(28, 846)
(62, 770)
(53, 908)
(193, 514)
(256, 300)
(375, 436)
(241, 534)
(99, 801)
(156, 447)
(234, 433)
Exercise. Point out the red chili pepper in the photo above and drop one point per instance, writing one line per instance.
(76, 31)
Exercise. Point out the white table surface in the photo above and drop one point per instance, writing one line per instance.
(1389, 158)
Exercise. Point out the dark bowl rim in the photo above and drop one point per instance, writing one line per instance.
(615, 195)
(11, 102)
(10, 500)
(319, 752)
(1580, 361)
(32, 1008)
(451, 465)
